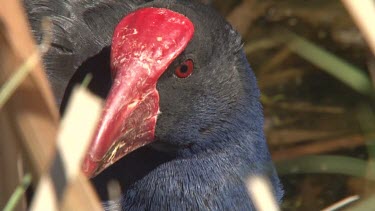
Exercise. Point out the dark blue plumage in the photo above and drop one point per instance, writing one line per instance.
(209, 135)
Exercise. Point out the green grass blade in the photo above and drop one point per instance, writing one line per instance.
(17, 194)
(18, 77)
(86, 81)
(325, 164)
(337, 67)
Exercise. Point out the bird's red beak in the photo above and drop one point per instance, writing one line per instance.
(144, 44)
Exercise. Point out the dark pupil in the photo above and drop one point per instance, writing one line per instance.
(184, 68)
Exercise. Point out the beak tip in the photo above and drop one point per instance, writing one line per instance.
(88, 167)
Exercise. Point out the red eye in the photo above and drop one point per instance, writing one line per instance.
(185, 69)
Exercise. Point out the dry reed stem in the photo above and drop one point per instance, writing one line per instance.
(363, 13)
(285, 137)
(31, 109)
(30, 114)
(242, 19)
(74, 136)
(342, 203)
(317, 147)
(260, 192)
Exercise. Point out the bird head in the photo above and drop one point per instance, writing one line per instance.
(179, 78)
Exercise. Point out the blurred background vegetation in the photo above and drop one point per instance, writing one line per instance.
(315, 72)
